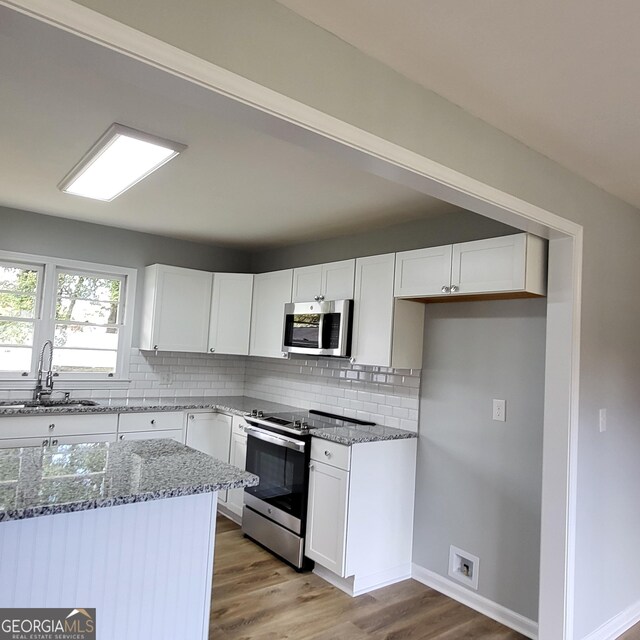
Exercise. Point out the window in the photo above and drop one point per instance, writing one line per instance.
(87, 322)
(19, 307)
(85, 309)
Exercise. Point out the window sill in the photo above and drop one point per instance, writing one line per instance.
(19, 384)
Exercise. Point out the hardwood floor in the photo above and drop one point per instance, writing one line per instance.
(257, 597)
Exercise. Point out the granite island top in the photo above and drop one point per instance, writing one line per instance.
(38, 481)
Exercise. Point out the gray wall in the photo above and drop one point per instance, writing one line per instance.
(447, 228)
(27, 232)
(265, 42)
(479, 481)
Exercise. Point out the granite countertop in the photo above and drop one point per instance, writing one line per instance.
(38, 481)
(358, 434)
(238, 405)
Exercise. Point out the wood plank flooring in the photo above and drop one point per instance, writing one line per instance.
(257, 597)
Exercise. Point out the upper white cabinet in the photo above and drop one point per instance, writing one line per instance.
(176, 309)
(230, 323)
(271, 291)
(386, 332)
(513, 264)
(331, 281)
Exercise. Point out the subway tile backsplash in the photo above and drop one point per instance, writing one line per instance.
(382, 395)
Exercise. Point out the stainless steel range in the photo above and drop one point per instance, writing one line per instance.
(278, 450)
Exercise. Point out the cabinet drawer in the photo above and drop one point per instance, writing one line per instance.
(57, 424)
(150, 421)
(172, 434)
(332, 453)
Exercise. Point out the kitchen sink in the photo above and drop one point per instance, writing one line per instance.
(71, 404)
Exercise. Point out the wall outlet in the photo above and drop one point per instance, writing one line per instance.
(500, 410)
(603, 420)
(165, 378)
(464, 567)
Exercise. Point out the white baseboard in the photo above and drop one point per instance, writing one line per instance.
(227, 513)
(617, 625)
(356, 586)
(487, 607)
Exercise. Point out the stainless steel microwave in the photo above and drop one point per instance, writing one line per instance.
(318, 328)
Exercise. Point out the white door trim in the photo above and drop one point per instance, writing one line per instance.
(292, 120)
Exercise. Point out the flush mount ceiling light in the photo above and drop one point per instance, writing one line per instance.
(121, 158)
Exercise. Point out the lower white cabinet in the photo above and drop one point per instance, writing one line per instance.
(210, 433)
(55, 425)
(360, 512)
(238, 458)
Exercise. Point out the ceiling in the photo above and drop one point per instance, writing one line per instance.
(233, 185)
(561, 77)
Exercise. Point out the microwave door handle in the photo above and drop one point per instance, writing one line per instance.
(321, 332)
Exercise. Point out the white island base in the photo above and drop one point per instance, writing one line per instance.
(146, 567)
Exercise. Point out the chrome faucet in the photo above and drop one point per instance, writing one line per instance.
(39, 392)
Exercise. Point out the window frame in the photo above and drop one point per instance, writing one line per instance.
(44, 324)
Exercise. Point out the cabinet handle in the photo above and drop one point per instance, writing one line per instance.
(327, 453)
(191, 417)
(155, 347)
(54, 442)
(445, 289)
(212, 350)
(320, 298)
(316, 298)
(121, 437)
(285, 354)
(312, 467)
(455, 288)
(153, 421)
(52, 426)
(352, 360)
(45, 442)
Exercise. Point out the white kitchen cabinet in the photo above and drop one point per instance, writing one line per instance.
(230, 317)
(515, 263)
(93, 437)
(512, 265)
(238, 458)
(176, 309)
(15, 443)
(156, 434)
(330, 281)
(423, 272)
(360, 516)
(386, 332)
(327, 516)
(211, 434)
(54, 425)
(271, 291)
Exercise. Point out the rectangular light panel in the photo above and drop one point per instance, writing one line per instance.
(121, 158)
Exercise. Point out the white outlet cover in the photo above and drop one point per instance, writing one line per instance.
(603, 420)
(457, 559)
(500, 410)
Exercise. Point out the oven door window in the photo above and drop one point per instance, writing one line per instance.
(303, 330)
(282, 475)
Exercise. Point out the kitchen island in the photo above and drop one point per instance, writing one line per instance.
(126, 528)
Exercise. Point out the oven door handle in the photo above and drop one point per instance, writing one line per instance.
(281, 441)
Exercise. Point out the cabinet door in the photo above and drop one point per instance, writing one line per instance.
(55, 424)
(423, 272)
(177, 306)
(16, 443)
(231, 313)
(238, 458)
(211, 434)
(271, 291)
(493, 265)
(373, 310)
(90, 437)
(338, 280)
(307, 283)
(327, 516)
